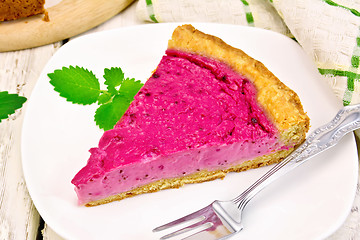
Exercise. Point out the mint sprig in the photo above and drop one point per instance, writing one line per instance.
(80, 86)
(9, 103)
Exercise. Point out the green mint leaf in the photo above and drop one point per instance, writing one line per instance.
(129, 88)
(114, 77)
(108, 114)
(104, 97)
(9, 103)
(76, 84)
(79, 85)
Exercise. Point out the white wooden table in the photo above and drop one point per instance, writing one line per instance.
(19, 71)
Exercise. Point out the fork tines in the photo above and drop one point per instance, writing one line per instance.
(202, 224)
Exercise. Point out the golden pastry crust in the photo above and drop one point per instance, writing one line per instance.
(281, 104)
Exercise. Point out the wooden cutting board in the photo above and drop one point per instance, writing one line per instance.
(68, 18)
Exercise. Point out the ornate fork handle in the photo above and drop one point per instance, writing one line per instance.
(345, 121)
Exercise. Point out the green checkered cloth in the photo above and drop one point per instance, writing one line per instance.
(327, 30)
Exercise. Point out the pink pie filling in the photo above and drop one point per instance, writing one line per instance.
(194, 113)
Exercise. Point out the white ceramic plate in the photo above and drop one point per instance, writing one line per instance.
(309, 203)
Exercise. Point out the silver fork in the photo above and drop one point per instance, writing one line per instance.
(222, 219)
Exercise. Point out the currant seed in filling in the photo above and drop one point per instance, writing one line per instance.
(194, 113)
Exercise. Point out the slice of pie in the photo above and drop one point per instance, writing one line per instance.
(207, 109)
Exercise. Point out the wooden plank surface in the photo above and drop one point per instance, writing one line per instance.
(18, 74)
(19, 71)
